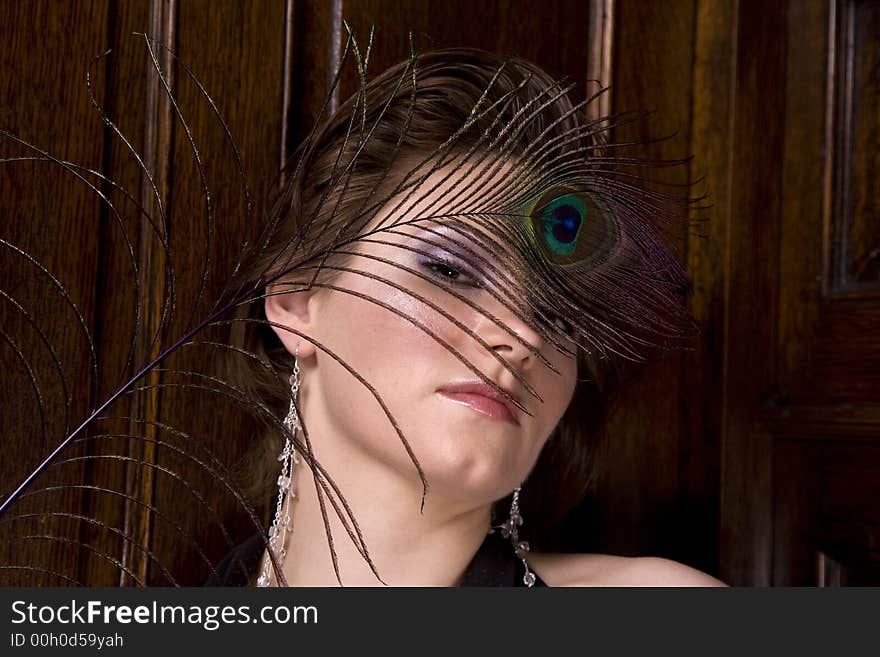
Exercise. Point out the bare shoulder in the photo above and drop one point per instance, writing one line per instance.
(609, 570)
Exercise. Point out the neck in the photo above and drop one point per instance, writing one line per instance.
(406, 546)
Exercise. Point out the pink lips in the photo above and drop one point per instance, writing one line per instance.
(482, 398)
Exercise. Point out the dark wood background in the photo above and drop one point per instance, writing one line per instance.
(755, 456)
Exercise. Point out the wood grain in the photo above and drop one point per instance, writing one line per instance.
(50, 214)
(751, 299)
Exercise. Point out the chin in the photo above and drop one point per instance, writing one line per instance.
(478, 472)
(467, 458)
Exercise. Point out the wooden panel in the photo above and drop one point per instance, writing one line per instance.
(658, 490)
(796, 499)
(555, 35)
(51, 214)
(846, 356)
(601, 57)
(238, 54)
(703, 368)
(823, 415)
(855, 220)
(552, 34)
(804, 188)
(824, 422)
(752, 291)
(84, 243)
(826, 332)
(825, 502)
(314, 60)
(122, 95)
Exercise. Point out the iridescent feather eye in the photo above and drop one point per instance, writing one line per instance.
(572, 229)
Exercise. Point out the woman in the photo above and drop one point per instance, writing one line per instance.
(452, 269)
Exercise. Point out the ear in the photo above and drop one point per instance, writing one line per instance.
(290, 306)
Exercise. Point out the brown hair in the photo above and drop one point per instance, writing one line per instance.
(448, 85)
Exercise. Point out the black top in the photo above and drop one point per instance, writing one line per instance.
(494, 564)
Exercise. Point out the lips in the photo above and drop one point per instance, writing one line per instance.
(482, 398)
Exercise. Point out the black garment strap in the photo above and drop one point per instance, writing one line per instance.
(494, 564)
(240, 565)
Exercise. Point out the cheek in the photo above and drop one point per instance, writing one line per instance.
(391, 352)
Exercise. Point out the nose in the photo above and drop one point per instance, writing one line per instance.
(511, 337)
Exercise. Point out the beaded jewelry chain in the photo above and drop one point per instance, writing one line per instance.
(510, 529)
(281, 524)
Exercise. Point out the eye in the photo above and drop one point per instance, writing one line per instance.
(550, 319)
(563, 326)
(450, 272)
(444, 271)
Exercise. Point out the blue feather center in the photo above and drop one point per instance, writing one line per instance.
(561, 222)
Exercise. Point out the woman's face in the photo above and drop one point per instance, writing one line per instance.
(472, 449)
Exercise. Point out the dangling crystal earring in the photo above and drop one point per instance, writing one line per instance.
(510, 529)
(288, 458)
